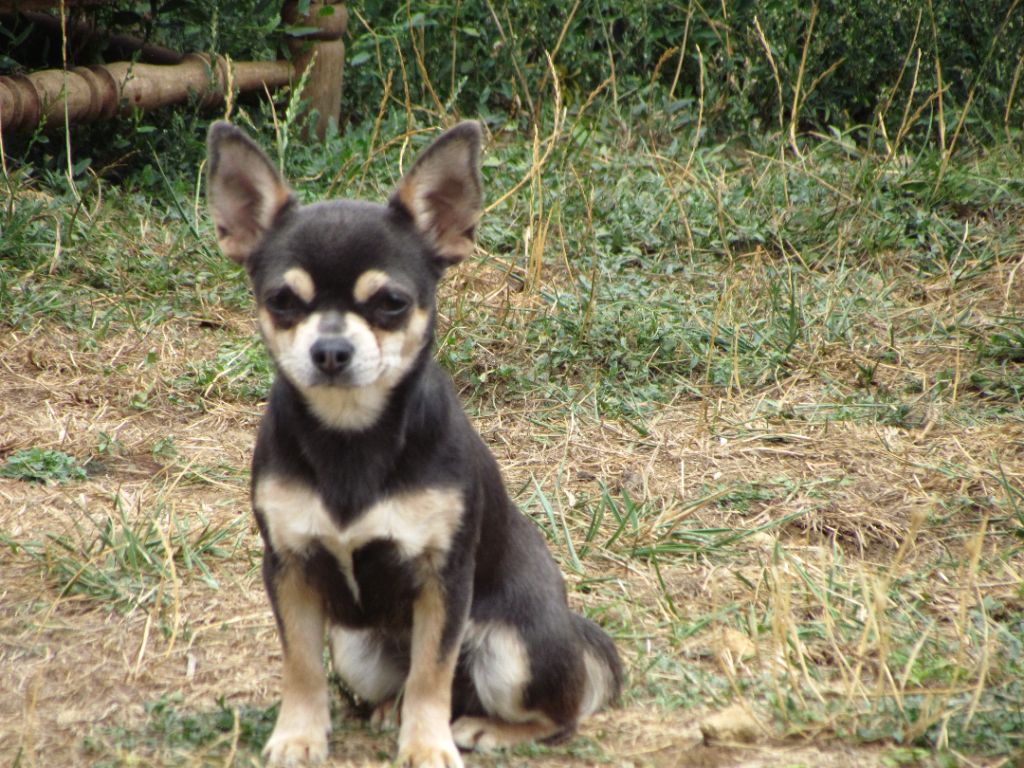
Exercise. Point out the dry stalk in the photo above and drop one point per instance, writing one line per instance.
(136, 669)
(984, 663)
(939, 87)
(536, 235)
(884, 109)
(64, 96)
(1014, 82)
(715, 325)
(700, 112)
(421, 65)
(775, 70)
(236, 732)
(797, 101)
(455, 49)
(513, 57)
(785, 637)
(165, 541)
(907, 120)
(671, 183)
(558, 45)
(407, 101)
(550, 142)
(682, 51)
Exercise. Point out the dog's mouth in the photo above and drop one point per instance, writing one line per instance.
(347, 379)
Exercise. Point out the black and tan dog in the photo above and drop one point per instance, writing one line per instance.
(384, 516)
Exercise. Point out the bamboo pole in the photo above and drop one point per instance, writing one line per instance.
(93, 93)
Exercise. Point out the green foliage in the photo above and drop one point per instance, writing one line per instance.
(862, 60)
(240, 370)
(932, 69)
(734, 62)
(490, 58)
(42, 466)
(128, 563)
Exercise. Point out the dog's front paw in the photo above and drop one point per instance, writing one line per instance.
(425, 749)
(294, 748)
(430, 756)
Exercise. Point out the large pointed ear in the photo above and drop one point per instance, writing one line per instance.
(443, 194)
(243, 188)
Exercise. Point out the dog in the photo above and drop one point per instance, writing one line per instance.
(386, 524)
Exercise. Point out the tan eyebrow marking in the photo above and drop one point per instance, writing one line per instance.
(299, 281)
(371, 281)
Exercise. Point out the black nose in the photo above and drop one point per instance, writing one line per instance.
(331, 355)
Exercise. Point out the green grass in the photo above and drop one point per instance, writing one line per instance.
(765, 293)
(717, 272)
(173, 734)
(240, 370)
(129, 562)
(42, 466)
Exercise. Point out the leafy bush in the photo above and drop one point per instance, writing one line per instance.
(861, 58)
(927, 69)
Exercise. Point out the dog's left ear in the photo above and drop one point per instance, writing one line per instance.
(443, 194)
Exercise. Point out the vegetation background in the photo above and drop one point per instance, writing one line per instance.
(744, 329)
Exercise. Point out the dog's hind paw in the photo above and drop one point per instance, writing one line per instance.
(386, 716)
(487, 734)
(294, 749)
(476, 733)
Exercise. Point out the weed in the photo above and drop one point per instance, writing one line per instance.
(129, 564)
(42, 466)
(172, 733)
(240, 370)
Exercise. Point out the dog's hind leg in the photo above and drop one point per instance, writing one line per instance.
(497, 660)
(534, 685)
(488, 733)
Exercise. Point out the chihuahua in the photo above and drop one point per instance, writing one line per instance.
(386, 524)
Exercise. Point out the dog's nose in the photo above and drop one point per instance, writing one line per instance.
(331, 355)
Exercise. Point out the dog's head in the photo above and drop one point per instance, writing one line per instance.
(345, 289)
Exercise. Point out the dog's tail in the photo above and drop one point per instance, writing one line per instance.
(603, 667)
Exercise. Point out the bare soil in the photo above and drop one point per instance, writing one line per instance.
(80, 676)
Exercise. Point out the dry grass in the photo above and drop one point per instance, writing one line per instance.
(835, 545)
(868, 505)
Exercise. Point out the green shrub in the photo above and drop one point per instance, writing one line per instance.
(861, 59)
(738, 67)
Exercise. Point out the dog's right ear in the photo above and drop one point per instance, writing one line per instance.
(244, 190)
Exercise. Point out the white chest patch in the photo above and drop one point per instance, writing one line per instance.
(421, 523)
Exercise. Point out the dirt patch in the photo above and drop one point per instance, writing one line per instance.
(98, 673)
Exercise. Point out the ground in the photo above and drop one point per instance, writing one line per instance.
(817, 535)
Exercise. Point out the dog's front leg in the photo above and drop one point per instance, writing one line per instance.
(425, 738)
(300, 735)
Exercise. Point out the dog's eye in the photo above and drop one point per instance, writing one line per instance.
(392, 304)
(284, 302)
